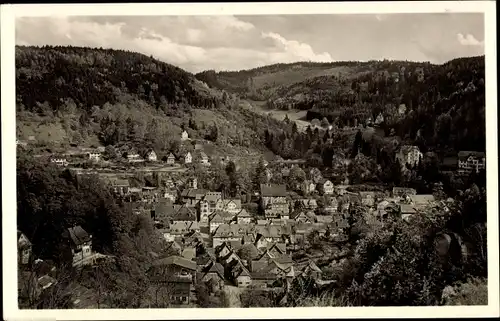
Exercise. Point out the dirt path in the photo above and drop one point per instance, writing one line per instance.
(233, 296)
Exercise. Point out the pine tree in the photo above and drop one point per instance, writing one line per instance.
(260, 176)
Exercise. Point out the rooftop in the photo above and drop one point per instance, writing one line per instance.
(176, 260)
(271, 190)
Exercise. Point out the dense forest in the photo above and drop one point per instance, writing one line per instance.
(444, 105)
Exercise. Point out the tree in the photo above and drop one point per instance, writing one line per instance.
(296, 177)
(259, 176)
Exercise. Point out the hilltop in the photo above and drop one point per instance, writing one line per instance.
(417, 101)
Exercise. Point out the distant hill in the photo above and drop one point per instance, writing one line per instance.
(437, 99)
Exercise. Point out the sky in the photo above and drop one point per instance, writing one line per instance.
(225, 42)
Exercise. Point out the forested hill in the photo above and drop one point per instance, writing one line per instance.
(89, 96)
(93, 77)
(439, 101)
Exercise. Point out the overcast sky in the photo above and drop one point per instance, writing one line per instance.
(198, 43)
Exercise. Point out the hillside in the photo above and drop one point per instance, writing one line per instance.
(85, 96)
(418, 101)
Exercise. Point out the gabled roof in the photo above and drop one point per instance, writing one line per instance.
(212, 196)
(193, 193)
(243, 214)
(219, 216)
(466, 154)
(273, 190)
(120, 182)
(176, 260)
(421, 199)
(22, 242)
(77, 235)
(226, 202)
(407, 209)
(170, 155)
(216, 268)
(184, 214)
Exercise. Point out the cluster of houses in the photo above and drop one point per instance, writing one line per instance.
(465, 163)
(222, 240)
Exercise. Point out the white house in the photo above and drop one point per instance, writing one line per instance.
(94, 156)
(188, 159)
(184, 136)
(151, 156)
(59, 161)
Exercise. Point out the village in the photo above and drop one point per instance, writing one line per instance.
(260, 240)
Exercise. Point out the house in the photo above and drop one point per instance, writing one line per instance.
(133, 157)
(184, 135)
(308, 187)
(121, 186)
(173, 265)
(162, 213)
(229, 205)
(331, 205)
(218, 218)
(170, 159)
(367, 198)
(59, 161)
(204, 158)
(94, 156)
(170, 195)
(303, 216)
(188, 159)
(325, 187)
(407, 210)
(214, 272)
(184, 214)
(469, 162)
(262, 279)
(208, 205)
(243, 217)
(385, 207)
(408, 155)
(228, 233)
(80, 243)
(402, 192)
(176, 275)
(274, 200)
(243, 278)
(309, 203)
(192, 196)
(309, 268)
(422, 200)
(31, 286)
(151, 156)
(24, 248)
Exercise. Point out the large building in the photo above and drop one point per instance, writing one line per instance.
(274, 200)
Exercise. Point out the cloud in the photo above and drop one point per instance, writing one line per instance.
(294, 50)
(469, 40)
(194, 43)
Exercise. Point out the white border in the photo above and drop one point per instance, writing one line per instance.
(10, 12)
